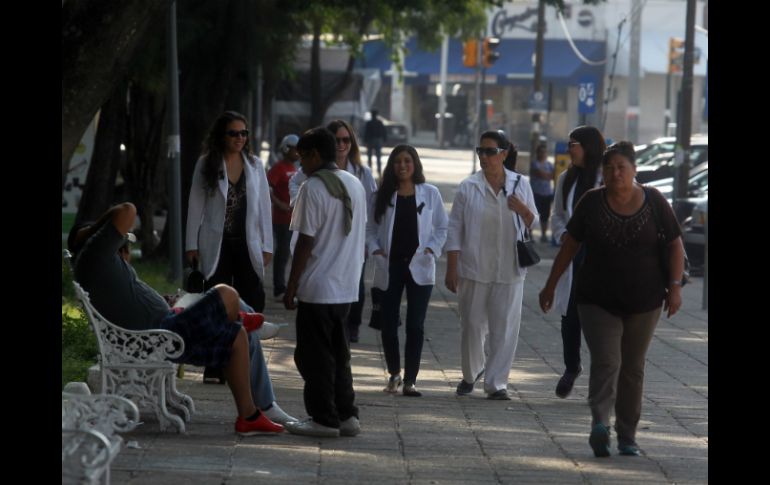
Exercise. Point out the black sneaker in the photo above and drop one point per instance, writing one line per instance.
(499, 395)
(600, 440)
(464, 388)
(567, 382)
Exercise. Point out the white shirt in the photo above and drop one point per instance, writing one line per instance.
(432, 223)
(334, 268)
(482, 228)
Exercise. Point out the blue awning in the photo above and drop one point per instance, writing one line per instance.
(562, 66)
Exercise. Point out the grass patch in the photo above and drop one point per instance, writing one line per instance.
(78, 343)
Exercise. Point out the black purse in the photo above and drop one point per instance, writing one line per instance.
(663, 247)
(525, 247)
(526, 251)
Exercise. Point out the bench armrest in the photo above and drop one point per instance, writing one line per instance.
(106, 413)
(120, 346)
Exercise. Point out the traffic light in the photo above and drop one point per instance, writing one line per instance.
(470, 50)
(675, 55)
(489, 54)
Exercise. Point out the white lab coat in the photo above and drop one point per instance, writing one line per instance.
(206, 216)
(432, 223)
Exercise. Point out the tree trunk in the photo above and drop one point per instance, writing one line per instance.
(99, 190)
(318, 105)
(144, 172)
(316, 110)
(98, 41)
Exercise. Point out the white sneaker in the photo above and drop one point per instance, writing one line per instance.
(268, 330)
(350, 427)
(309, 427)
(278, 415)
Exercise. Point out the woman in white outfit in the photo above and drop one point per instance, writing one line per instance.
(229, 220)
(490, 210)
(405, 233)
(586, 146)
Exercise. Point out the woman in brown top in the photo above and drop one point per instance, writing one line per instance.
(620, 288)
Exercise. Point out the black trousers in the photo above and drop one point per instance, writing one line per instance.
(570, 323)
(357, 307)
(235, 269)
(281, 243)
(322, 357)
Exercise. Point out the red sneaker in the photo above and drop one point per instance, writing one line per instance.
(251, 321)
(260, 425)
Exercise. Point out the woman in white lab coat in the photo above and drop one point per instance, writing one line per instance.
(405, 233)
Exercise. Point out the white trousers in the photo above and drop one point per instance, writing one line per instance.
(491, 309)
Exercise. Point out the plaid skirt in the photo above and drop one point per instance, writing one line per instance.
(208, 335)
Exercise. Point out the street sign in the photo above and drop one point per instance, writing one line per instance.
(587, 95)
(538, 103)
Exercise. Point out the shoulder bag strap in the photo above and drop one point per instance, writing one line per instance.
(525, 234)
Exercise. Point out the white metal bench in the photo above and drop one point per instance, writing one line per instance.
(135, 365)
(89, 439)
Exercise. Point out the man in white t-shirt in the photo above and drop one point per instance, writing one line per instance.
(330, 218)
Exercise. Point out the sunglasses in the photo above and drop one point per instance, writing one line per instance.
(343, 141)
(488, 151)
(573, 143)
(233, 133)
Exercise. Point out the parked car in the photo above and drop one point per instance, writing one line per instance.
(699, 180)
(656, 160)
(694, 237)
(396, 132)
(697, 191)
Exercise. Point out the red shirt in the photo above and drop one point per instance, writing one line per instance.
(278, 178)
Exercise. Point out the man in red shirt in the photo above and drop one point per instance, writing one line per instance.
(278, 178)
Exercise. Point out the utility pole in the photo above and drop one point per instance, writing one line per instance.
(174, 149)
(538, 87)
(478, 102)
(632, 111)
(682, 151)
(442, 98)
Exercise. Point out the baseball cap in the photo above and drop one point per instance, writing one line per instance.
(287, 142)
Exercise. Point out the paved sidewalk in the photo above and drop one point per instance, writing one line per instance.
(441, 438)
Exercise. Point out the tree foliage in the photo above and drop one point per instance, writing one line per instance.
(99, 40)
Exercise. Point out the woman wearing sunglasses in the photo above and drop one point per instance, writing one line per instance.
(489, 211)
(229, 224)
(405, 233)
(586, 146)
(349, 158)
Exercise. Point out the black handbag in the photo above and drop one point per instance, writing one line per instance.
(375, 320)
(525, 247)
(663, 247)
(527, 254)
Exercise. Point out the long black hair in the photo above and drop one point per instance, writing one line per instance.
(592, 141)
(389, 181)
(214, 149)
(355, 152)
(502, 142)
